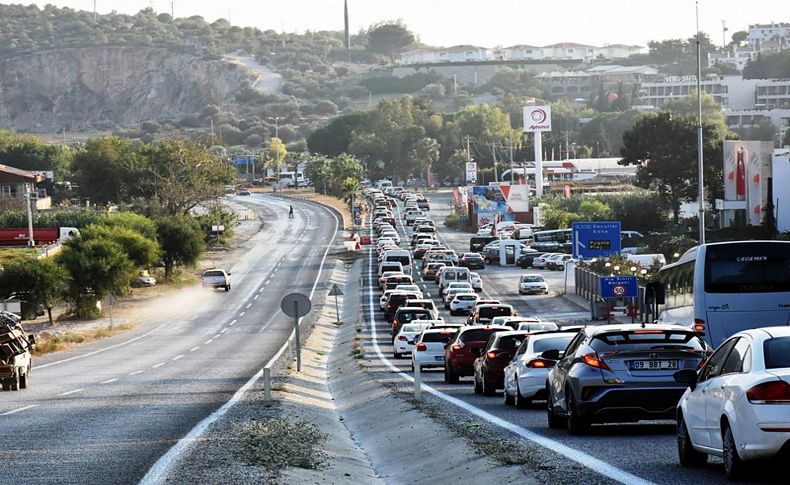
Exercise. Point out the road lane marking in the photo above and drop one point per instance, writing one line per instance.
(217, 335)
(194, 349)
(242, 314)
(109, 380)
(178, 357)
(261, 288)
(580, 457)
(249, 305)
(67, 393)
(223, 330)
(233, 322)
(256, 297)
(156, 366)
(208, 341)
(135, 373)
(19, 410)
(159, 471)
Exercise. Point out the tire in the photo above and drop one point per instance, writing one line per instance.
(555, 422)
(688, 456)
(577, 425)
(488, 389)
(397, 355)
(7, 385)
(509, 401)
(23, 380)
(15, 382)
(227, 287)
(734, 467)
(520, 401)
(452, 376)
(478, 386)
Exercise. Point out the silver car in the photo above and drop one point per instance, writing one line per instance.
(620, 373)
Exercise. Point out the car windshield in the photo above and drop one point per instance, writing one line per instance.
(552, 343)
(532, 279)
(777, 353)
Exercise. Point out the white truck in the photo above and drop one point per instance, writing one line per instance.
(15, 358)
(216, 278)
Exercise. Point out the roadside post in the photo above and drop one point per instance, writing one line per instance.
(418, 382)
(336, 291)
(112, 302)
(296, 305)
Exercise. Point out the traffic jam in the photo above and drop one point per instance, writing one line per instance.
(571, 381)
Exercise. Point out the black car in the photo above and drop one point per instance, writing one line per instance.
(526, 259)
(472, 261)
(477, 243)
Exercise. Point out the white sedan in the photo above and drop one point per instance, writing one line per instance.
(532, 283)
(429, 348)
(476, 281)
(404, 340)
(462, 303)
(410, 288)
(525, 376)
(738, 405)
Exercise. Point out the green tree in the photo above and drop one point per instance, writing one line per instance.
(389, 38)
(424, 154)
(96, 268)
(40, 281)
(688, 106)
(130, 220)
(319, 171)
(140, 250)
(739, 37)
(181, 242)
(334, 138)
(594, 210)
(108, 169)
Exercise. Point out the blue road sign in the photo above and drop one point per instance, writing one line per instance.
(244, 159)
(595, 239)
(619, 287)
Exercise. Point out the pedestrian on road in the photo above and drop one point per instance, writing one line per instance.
(290, 212)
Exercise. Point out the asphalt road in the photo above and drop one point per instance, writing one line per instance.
(644, 451)
(104, 413)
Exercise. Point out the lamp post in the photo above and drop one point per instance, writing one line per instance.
(28, 205)
(276, 120)
(701, 188)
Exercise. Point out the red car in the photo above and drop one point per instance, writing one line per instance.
(472, 261)
(461, 352)
(489, 368)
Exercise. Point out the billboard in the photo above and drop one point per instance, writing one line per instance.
(781, 174)
(494, 203)
(747, 166)
(471, 173)
(537, 118)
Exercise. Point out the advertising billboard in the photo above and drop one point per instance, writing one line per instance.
(747, 166)
(537, 118)
(781, 174)
(494, 203)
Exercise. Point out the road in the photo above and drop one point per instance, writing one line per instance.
(106, 412)
(627, 453)
(266, 80)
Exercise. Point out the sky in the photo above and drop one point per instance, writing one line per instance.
(486, 23)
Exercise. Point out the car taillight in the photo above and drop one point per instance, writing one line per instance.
(773, 392)
(458, 347)
(699, 326)
(421, 347)
(593, 361)
(491, 355)
(540, 363)
(402, 338)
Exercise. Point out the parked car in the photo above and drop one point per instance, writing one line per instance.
(489, 367)
(404, 340)
(429, 347)
(525, 375)
(468, 344)
(471, 261)
(525, 260)
(462, 303)
(145, 279)
(620, 373)
(558, 263)
(540, 261)
(532, 284)
(738, 405)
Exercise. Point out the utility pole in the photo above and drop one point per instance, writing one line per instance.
(512, 168)
(173, 10)
(724, 30)
(567, 146)
(493, 152)
(94, 10)
(29, 196)
(701, 188)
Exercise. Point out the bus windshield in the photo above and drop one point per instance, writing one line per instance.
(747, 268)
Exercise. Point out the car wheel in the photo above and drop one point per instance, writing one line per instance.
(521, 401)
(7, 385)
(397, 355)
(488, 389)
(452, 376)
(686, 453)
(15, 382)
(555, 422)
(23, 380)
(227, 287)
(478, 386)
(508, 398)
(577, 425)
(734, 466)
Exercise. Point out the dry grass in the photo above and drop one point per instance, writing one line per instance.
(68, 340)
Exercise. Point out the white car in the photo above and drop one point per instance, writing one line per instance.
(476, 281)
(532, 284)
(450, 295)
(526, 374)
(541, 261)
(404, 340)
(410, 288)
(462, 303)
(429, 348)
(391, 235)
(738, 405)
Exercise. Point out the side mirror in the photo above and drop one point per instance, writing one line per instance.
(686, 376)
(553, 354)
(228, 274)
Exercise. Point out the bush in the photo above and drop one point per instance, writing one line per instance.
(453, 221)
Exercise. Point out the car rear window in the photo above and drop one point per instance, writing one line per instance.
(443, 337)
(777, 353)
(496, 311)
(646, 340)
(559, 343)
(537, 326)
(213, 273)
(413, 328)
(510, 342)
(467, 297)
(480, 334)
(415, 315)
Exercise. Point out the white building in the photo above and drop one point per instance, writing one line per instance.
(618, 51)
(570, 51)
(463, 53)
(522, 52)
(769, 37)
(773, 93)
(562, 51)
(732, 92)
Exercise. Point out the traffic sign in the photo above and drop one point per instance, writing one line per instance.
(595, 239)
(619, 287)
(335, 291)
(295, 305)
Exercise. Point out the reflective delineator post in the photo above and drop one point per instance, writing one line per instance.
(267, 384)
(417, 382)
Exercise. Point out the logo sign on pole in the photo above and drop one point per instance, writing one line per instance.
(537, 118)
(595, 239)
(471, 173)
(619, 287)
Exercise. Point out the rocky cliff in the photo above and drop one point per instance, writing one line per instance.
(103, 87)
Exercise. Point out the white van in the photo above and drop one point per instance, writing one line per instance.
(390, 266)
(453, 275)
(383, 184)
(289, 179)
(647, 260)
(399, 256)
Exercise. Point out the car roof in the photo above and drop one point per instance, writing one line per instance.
(467, 328)
(772, 332)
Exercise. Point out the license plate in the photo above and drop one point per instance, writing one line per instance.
(653, 364)
(439, 358)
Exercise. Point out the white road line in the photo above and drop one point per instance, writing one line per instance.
(178, 357)
(136, 372)
(242, 314)
(223, 330)
(248, 305)
(19, 410)
(159, 471)
(233, 322)
(156, 366)
(208, 341)
(70, 392)
(275, 269)
(582, 458)
(256, 297)
(261, 288)
(109, 380)
(217, 335)
(194, 349)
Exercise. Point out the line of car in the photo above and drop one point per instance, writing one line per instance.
(733, 402)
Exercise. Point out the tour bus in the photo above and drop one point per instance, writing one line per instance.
(291, 178)
(720, 289)
(554, 235)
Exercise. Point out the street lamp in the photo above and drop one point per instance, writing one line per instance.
(28, 205)
(276, 120)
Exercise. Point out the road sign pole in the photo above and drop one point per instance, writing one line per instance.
(296, 337)
(337, 311)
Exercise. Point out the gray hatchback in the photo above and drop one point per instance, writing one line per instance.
(620, 373)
